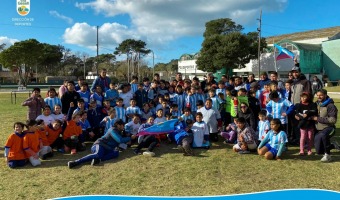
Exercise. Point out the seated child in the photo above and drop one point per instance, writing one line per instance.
(245, 137)
(72, 132)
(230, 133)
(53, 136)
(273, 145)
(184, 138)
(132, 127)
(33, 145)
(43, 137)
(14, 152)
(147, 141)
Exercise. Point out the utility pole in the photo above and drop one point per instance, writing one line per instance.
(97, 52)
(259, 45)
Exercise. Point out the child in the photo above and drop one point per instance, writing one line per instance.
(95, 116)
(174, 111)
(14, 153)
(199, 104)
(32, 143)
(81, 106)
(245, 137)
(184, 138)
(85, 94)
(191, 100)
(221, 88)
(72, 131)
(52, 98)
(160, 117)
(162, 89)
(108, 121)
(146, 113)
(46, 150)
(187, 115)
(111, 95)
(304, 111)
(263, 125)
(201, 132)
(273, 145)
(53, 132)
(35, 103)
(132, 127)
(106, 107)
(214, 99)
(279, 108)
(46, 116)
(288, 92)
(57, 115)
(132, 109)
(230, 133)
(87, 133)
(97, 96)
(141, 96)
(264, 96)
(147, 141)
(120, 110)
(179, 97)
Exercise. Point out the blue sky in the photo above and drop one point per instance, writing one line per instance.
(169, 27)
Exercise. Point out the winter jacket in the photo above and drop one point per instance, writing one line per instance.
(327, 114)
(299, 86)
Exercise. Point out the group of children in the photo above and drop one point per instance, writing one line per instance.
(139, 106)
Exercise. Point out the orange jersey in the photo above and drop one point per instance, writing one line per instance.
(15, 145)
(52, 134)
(32, 141)
(43, 136)
(71, 129)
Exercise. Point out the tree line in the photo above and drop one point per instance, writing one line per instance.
(225, 45)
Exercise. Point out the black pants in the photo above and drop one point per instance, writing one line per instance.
(322, 140)
(149, 141)
(58, 143)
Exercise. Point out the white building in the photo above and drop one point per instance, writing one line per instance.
(188, 67)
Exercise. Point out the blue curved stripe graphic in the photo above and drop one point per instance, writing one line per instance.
(291, 194)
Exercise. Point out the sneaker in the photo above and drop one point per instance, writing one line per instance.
(301, 153)
(61, 150)
(326, 158)
(137, 152)
(73, 151)
(180, 148)
(243, 152)
(71, 164)
(336, 145)
(95, 161)
(310, 153)
(148, 153)
(44, 157)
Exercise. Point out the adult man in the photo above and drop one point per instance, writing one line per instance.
(212, 117)
(300, 85)
(238, 83)
(207, 84)
(325, 124)
(70, 96)
(249, 81)
(179, 79)
(263, 79)
(103, 81)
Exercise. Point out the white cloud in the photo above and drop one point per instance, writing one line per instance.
(60, 16)
(8, 41)
(109, 34)
(162, 21)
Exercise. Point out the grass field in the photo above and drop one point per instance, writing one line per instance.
(217, 171)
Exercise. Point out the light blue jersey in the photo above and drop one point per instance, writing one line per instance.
(275, 109)
(275, 140)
